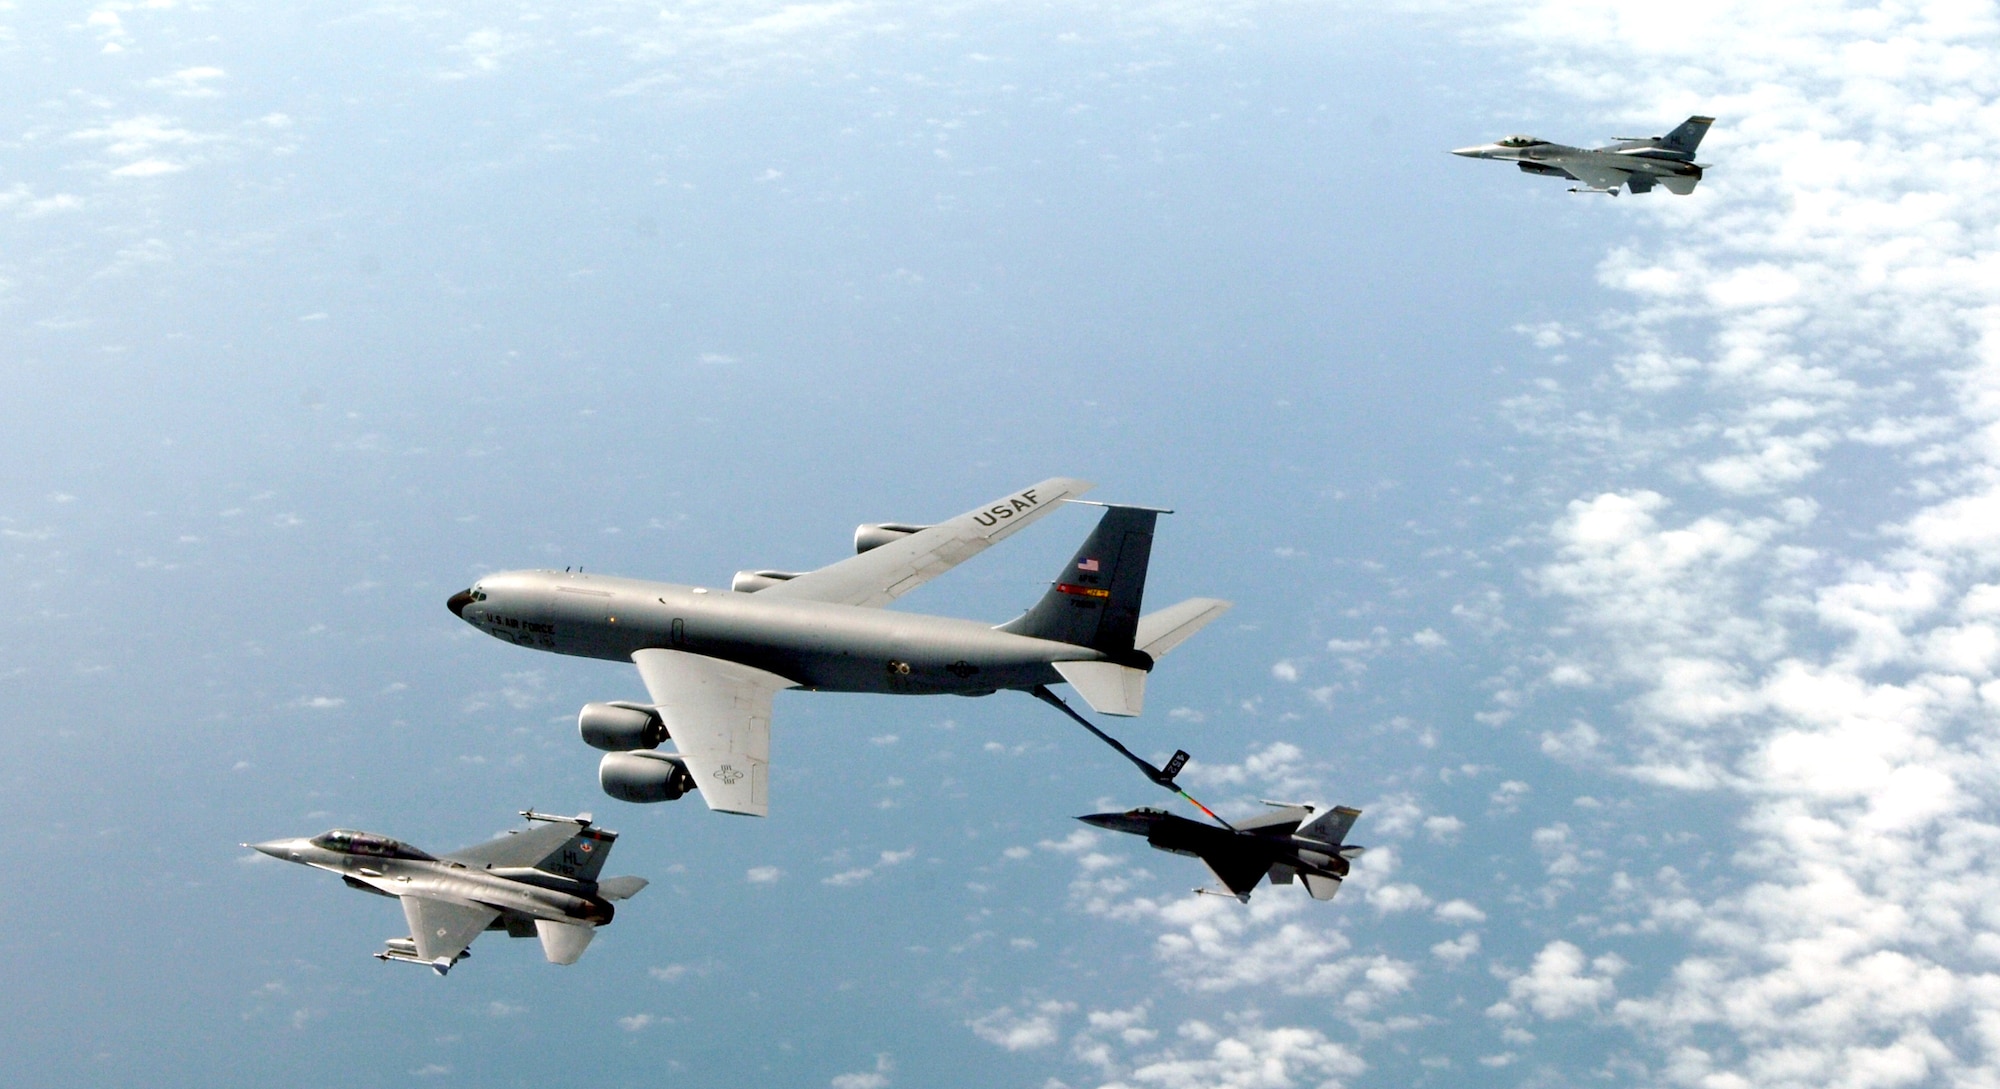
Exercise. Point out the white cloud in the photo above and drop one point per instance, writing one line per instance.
(1561, 983)
(485, 51)
(1031, 1029)
(1246, 1055)
(1834, 271)
(1279, 769)
(877, 1078)
(144, 143)
(1458, 950)
(763, 875)
(1392, 898)
(195, 82)
(1459, 911)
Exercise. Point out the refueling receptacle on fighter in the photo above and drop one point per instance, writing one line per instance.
(712, 660)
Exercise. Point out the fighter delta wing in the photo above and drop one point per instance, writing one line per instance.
(712, 660)
(441, 930)
(539, 883)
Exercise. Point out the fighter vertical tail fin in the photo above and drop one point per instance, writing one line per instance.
(1331, 826)
(1687, 135)
(1095, 600)
(582, 855)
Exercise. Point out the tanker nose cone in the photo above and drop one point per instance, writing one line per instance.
(457, 603)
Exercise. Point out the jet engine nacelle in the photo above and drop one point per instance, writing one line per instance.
(749, 582)
(644, 776)
(876, 535)
(620, 727)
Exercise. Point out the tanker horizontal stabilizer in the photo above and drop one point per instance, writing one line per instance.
(1162, 631)
(1108, 688)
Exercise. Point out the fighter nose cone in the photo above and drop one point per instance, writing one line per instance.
(277, 848)
(457, 603)
(1119, 822)
(1469, 152)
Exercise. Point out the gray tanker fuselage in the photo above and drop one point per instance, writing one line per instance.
(818, 645)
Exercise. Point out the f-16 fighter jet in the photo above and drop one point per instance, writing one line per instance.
(712, 659)
(539, 883)
(1288, 843)
(1637, 162)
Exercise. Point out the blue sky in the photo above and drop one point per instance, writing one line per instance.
(1629, 561)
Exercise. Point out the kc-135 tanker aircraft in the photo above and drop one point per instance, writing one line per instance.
(539, 883)
(1636, 162)
(711, 660)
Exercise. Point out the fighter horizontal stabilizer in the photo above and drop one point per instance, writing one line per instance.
(1319, 886)
(563, 943)
(1109, 688)
(1168, 628)
(621, 888)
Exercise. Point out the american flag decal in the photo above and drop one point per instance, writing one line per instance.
(1087, 565)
